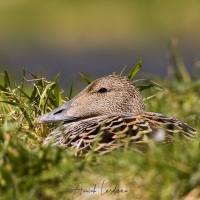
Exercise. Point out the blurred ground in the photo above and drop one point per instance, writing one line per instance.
(96, 37)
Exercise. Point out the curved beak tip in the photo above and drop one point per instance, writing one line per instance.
(56, 115)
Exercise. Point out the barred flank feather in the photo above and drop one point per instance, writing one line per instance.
(115, 131)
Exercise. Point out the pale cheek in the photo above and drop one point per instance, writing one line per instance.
(83, 108)
(72, 112)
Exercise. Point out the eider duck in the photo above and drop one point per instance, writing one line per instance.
(108, 114)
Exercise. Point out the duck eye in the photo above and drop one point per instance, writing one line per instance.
(102, 90)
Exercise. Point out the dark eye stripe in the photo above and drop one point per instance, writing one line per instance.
(101, 90)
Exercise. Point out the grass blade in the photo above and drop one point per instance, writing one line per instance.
(70, 92)
(85, 78)
(55, 78)
(6, 79)
(14, 104)
(57, 94)
(121, 73)
(148, 86)
(135, 70)
(45, 92)
(26, 95)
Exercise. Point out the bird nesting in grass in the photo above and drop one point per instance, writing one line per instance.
(108, 114)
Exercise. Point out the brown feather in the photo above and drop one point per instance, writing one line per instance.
(110, 118)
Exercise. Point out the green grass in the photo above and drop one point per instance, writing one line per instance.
(28, 170)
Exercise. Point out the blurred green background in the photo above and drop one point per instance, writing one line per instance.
(96, 37)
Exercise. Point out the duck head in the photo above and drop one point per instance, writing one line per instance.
(112, 94)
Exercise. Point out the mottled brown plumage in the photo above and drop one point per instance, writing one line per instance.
(109, 113)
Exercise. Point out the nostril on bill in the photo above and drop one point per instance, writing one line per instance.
(58, 112)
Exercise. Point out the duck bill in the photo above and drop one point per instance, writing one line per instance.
(57, 114)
